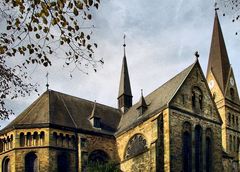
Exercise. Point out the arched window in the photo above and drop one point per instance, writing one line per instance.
(98, 156)
(67, 140)
(197, 98)
(209, 149)
(1, 145)
(214, 96)
(6, 165)
(61, 139)
(229, 119)
(233, 120)
(187, 147)
(42, 138)
(29, 139)
(11, 141)
(31, 162)
(136, 145)
(4, 144)
(35, 139)
(198, 149)
(73, 141)
(232, 93)
(22, 139)
(8, 142)
(63, 162)
(55, 138)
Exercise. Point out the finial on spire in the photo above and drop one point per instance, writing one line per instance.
(124, 38)
(141, 92)
(124, 44)
(197, 55)
(47, 85)
(215, 6)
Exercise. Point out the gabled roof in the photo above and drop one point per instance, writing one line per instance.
(94, 114)
(57, 109)
(218, 58)
(142, 102)
(156, 101)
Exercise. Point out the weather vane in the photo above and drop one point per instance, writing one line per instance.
(215, 6)
(47, 85)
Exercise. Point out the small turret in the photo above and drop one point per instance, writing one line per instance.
(142, 104)
(94, 118)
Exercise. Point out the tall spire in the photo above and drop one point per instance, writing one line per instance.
(125, 93)
(218, 62)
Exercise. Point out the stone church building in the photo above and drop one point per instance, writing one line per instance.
(190, 123)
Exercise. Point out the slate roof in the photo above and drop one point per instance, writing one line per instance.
(58, 109)
(142, 102)
(124, 86)
(218, 58)
(156, 101)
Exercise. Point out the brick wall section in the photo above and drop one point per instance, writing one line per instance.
(226, 105)
(149, 130)
(183, 111)
(104, 143)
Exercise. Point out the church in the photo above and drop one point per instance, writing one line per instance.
(190, 123)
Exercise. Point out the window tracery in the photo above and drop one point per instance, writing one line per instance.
(187, 147)
(98, 156)
(209, 149)
(232, 93)
(198, 148)
(197, 98)
(136, 145)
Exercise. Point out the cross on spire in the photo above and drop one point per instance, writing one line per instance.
(197, 55)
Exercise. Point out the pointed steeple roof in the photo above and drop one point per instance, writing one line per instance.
(142, 102)
(94, 114)
(218, 58)
(124, 86)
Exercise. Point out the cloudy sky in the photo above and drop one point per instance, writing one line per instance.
(162, 37)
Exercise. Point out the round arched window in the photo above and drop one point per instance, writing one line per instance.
(136, 145)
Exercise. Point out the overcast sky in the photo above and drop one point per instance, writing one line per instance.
(161, 38)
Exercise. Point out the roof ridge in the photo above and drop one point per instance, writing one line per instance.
(191, 66)
(18, 117)
(174, 77)
(69, 114)
(108, 106)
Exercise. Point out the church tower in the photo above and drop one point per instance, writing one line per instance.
(223, 87)
(125, 93)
